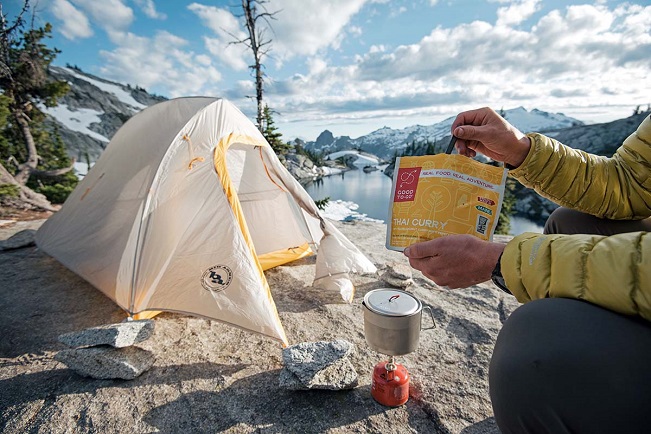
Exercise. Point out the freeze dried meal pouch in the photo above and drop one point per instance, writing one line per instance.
(437, 195)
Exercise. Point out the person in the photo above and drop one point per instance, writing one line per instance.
(576, 356)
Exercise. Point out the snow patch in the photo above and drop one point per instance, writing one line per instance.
(81, 169)
(361, 161)
(345, 211)
(114, 89)
(78, 120)
(327, 171)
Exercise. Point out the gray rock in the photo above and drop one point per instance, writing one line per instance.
(397, 274)
(118, 335)
(300, 166)
(210, 377)
(24, 238)
(105, 362)
(318, 365)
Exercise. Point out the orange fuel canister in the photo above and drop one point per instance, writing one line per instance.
(390, 384)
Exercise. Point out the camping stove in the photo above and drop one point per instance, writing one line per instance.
(392, 324)
(390, 383)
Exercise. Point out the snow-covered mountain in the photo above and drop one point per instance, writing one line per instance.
(93, 110)
(386, 141)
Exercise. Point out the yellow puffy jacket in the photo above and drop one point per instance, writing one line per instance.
(613, 272)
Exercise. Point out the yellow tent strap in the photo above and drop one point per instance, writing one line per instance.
(267, 170)
(193, 159)
(219, 159)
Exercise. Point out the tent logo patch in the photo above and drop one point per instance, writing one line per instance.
(217, 278)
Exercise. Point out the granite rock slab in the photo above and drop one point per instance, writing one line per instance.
(117, 335)
(24, 238)
(105, 362)
(318, 365)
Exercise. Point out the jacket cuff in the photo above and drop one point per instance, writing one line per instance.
(525, 169)
(511, 266)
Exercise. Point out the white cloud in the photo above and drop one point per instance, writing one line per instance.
(149, 8)
(398, 11)
(232, 55)
(162, 62)
(298, 28)
(517, 12)
(111, 15)
(635, 23)
(203, 60)
(303, 27)
(316, 65)
(74, 24)
(355, 30)
(221, 21)
(580, 56)
(227, 29)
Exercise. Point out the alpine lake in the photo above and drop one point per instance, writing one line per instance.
(371, 191)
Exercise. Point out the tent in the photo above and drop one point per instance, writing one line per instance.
(185, 209)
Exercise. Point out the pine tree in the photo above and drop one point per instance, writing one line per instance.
(430, 148)
(33, 152)
(270, 132)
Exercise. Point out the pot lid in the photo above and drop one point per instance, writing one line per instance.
(391, 302)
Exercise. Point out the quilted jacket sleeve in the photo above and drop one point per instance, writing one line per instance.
(618, 187)
(613, 272)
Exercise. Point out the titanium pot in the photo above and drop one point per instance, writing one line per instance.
(392, 321)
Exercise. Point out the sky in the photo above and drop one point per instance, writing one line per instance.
(354, 66)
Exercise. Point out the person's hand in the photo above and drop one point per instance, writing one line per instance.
(455, 261)
(488, 133)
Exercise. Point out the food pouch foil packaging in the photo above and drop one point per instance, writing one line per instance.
(437, 195)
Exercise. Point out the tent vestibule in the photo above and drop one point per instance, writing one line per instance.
(183, 212)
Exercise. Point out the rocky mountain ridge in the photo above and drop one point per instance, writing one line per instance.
(95, 108)
(386, 142)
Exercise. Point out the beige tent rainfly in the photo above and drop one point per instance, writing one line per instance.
(184, 210)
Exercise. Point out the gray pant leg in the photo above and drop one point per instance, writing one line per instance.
(567, 366)
(568, 221)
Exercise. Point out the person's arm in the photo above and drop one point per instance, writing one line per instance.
(613, 272)
(616, 188)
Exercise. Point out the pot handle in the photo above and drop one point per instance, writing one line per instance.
(431, 314)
